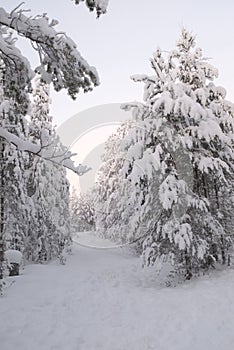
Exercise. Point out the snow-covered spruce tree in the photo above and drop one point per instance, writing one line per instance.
(114, 203)
(190, 116)
(15, 213)
(38, 175)
(60, 232)
(226, 209)
(181, 152)
(47, 186)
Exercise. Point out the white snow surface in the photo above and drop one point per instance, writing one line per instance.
(105, 300)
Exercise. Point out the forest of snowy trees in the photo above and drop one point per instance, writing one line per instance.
(144, 258)
(34, 190)
(166, 181)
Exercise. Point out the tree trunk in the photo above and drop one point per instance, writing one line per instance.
(188, 267)
(2, 212)
(216, 193)
(223, 250)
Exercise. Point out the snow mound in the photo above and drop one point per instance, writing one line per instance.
(13, 256)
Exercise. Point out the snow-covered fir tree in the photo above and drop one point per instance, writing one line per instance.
(15, 212)
(179, 159)
(114, 204)
(48, 188)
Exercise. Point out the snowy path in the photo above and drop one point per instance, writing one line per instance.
(104, 300)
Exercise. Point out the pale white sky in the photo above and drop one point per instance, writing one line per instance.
(120, 42)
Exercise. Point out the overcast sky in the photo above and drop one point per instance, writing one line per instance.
(120, 42)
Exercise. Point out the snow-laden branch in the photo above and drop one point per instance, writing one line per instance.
(22, 145)
(45, 151)
(61, 63)
(13, 58)
(99, 5)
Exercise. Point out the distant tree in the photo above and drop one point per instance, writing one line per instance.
(113, 191)
(82, 211)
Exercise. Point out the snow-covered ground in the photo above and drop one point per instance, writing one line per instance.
(102, 299)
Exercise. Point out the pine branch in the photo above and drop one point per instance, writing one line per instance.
(61, 62)
(63, 159)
